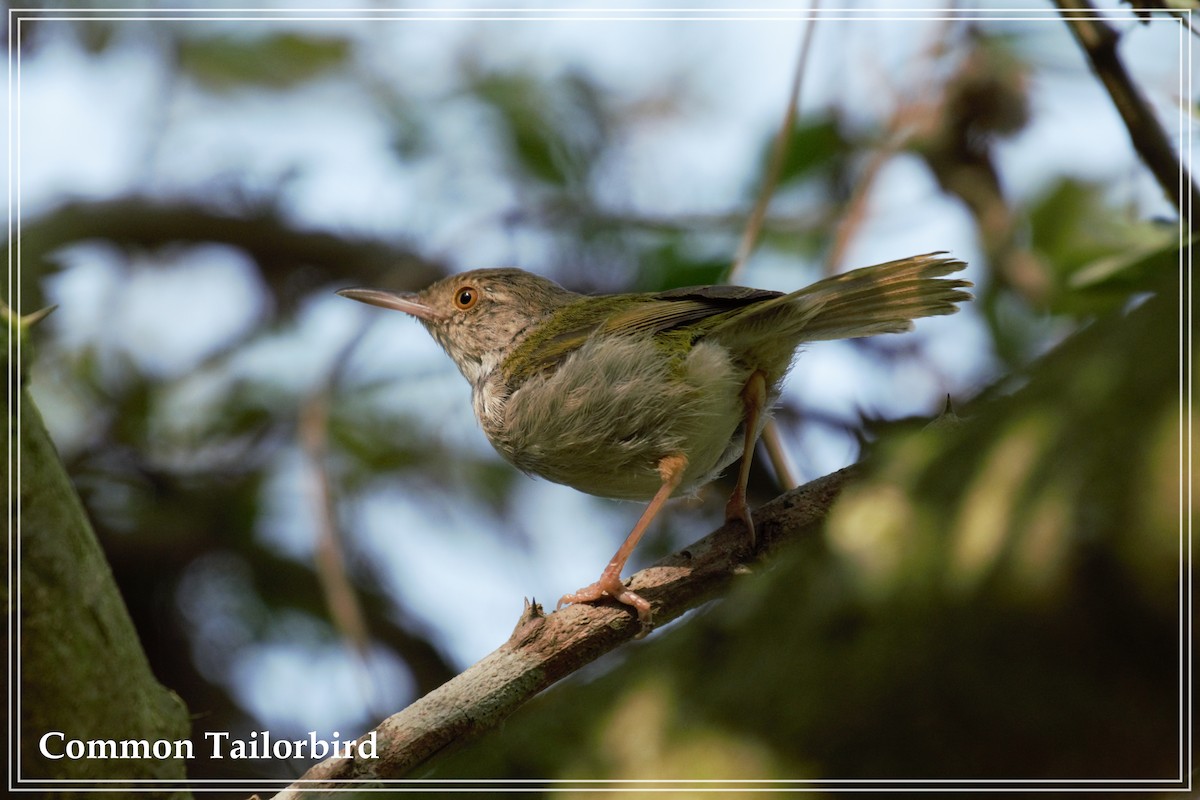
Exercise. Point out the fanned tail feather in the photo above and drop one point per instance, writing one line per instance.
(884, 298)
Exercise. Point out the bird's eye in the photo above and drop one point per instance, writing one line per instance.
(466, 297)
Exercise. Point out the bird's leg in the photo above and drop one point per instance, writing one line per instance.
(754, 398)
(671, 470)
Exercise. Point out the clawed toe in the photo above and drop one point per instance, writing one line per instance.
(611, 586)
(588, 594)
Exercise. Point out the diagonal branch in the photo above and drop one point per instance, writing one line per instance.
(1099, 41)
(341, 599)
(544, 649)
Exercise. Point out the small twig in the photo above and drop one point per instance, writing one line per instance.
(340, 597)
(778, 151)
(772, 441)
(856, 208)
(1099, 42)
(544, 649)
(900, 125)
(567, 211)
(770, 437)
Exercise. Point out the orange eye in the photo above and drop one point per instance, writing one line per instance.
(467, 296)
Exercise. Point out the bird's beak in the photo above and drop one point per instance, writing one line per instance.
(408, 302)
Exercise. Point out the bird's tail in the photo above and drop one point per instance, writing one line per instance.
(885, 298)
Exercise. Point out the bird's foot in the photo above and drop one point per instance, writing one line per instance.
(737, 510)
(611, 585)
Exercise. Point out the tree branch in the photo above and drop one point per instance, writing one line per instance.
(543, 649)
(80, 666)
(291, 260)
(1099, 41)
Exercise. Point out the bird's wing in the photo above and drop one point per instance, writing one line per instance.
(620, 315)
(666, 310)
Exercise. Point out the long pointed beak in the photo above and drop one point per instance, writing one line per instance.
(408, 302)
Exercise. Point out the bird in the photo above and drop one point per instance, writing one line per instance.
(642, 396)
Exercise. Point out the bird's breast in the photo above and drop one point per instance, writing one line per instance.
(607, 414)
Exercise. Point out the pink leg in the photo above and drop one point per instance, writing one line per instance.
(671, 469)
(754, 396)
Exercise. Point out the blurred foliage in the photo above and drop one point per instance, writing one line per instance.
(554, 131)
(674, 266)
(996, 598)
(815, 146)
(293, 263)
(278, 61)
(1095, 256)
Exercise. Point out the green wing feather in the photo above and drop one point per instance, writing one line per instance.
(663, 311)
(620, 315)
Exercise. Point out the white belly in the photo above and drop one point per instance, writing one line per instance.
(605, 418)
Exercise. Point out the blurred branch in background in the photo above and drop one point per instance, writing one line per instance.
(341, 599)
(779, 151)
(900, 126)
(1099, 41)
(985, 99)
(293, 262)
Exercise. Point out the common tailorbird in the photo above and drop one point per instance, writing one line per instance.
(640, 396)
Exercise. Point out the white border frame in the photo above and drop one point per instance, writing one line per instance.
(17, 783)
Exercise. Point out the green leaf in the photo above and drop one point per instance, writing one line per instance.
(1133, 269)
(278, 61)
(556, 129)
(676, 264)
(815, 145)
(1096, 256)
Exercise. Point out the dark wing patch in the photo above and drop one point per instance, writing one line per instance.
(666, 310)
(730, 295)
